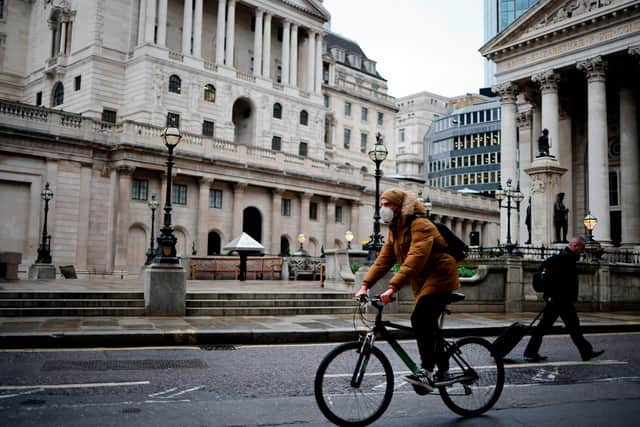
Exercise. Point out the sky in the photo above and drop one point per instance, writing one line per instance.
(419, 45)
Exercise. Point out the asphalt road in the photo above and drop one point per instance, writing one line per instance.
(272, 385)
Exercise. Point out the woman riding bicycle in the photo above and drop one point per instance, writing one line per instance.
(416, 244)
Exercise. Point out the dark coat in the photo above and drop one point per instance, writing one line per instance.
(563, 276)
(417, 245)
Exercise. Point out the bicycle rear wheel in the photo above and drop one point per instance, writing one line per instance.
(478, 375)
(348, 404)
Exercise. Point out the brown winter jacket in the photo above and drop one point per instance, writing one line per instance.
(420, 250)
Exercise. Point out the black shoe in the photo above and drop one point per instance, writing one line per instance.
(591, 355)
(421, 378)
(535, 357)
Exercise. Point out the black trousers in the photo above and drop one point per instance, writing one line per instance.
(567, 312)
(424, 321)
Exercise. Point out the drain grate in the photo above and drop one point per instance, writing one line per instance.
(120, 365)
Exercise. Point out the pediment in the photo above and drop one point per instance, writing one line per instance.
(551, 16)
(312, 7)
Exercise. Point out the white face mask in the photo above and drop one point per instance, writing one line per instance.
(386, 214)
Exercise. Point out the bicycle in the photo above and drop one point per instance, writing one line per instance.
(354, 383)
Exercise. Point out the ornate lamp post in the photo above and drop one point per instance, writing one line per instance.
(348, 236)
(428, 206)
(44, 250)
(167, 241)
(153, 205)
(590, 223)
(377, 154)
(301, 241)
(509, 194)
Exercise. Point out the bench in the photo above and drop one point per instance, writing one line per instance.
(225, 266)
(304, 266)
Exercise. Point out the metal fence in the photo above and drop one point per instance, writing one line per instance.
(610, 255)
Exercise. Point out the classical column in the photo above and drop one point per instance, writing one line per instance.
(238, 204)
(203, 215)
(311, 57)
(305, 199)
(162, 23)
(231, 32)
(82, 246)
(197, 30)
(286, 47)
(220, 30)
(629, 166)
(597, 146)
(508, 135)
(354, 224)
(266, 50)
(187, 18)
(276, 218)
(548, 81)
(125, 174)
(63, 38)
(294, 56)
(330, 230)
(142, 12)
(318, 70)
(257, 44)
(150, 22)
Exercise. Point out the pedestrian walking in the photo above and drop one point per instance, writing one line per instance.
(560, 295)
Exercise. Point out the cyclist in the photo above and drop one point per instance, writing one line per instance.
(415, 243)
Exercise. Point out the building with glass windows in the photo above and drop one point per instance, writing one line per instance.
(463, 147)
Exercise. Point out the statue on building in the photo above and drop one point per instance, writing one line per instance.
(527, 222)
(560, 219)
(543, 143)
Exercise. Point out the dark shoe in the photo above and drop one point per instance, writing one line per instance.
(535, 357)
(591, 355)
(421, 378)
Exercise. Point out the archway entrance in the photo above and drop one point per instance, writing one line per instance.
(244, 121)
(252, 223)
(285, 248)
(213, 243)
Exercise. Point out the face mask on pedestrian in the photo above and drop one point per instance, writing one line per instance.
(386, 214)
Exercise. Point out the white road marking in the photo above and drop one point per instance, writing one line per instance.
(62, 386)
(565, 363)
(6, 396)
(544, 375)
(74, 350)
(163, 392)
(189, 390)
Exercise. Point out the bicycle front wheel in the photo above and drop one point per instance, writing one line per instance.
(351, 388)
(477, 377)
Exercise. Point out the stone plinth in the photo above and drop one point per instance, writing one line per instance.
(545, 173)
(165, 286)
(42, 272)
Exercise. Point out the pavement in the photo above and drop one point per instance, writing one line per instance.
(65, 332)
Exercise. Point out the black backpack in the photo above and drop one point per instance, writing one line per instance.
(456, 247)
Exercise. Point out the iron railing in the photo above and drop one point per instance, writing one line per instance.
(610, 255)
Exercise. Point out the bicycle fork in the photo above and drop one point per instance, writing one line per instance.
(363, 360)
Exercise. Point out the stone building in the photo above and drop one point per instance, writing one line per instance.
(572, 67)
(86, 88)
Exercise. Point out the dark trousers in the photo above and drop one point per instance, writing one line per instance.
(424, 321)
(567, 312)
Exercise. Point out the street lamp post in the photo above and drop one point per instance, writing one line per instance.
(44, 250)
(377, 154)
(153, 205)
(509, 194)
(348, 236)
(167, 241)
(590, 223)
(428, 206)
(301, 239)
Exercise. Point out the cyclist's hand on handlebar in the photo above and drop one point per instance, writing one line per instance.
(387, 296)
(363, 291)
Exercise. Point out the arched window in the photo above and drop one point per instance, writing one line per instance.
(175, 84)
(210, 93)
(303, 149)
(57, 94)
(304, 117)
(277, 110)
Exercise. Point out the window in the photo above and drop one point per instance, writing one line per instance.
(207, 128)
(276, 143)
(347, 109)
(304, 118)
(325, 73)
(215, 198)
(175, 84)
(277, 110)
(280, 33)
(347, 138)
(179, 195)
(57, 94)
(173, 119)
(338, 214)
(613, 188)
(77, 83)
(108, 115)
(253, 24)
(279, 73)
(380, 119)
(39, 99)
(210, 93)
(402, 135)
(285, 210)
(326, 101)
(139, 189)
(364, 114)
(1, 9)
(313, 210)
(303, 149)
(363, 142)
